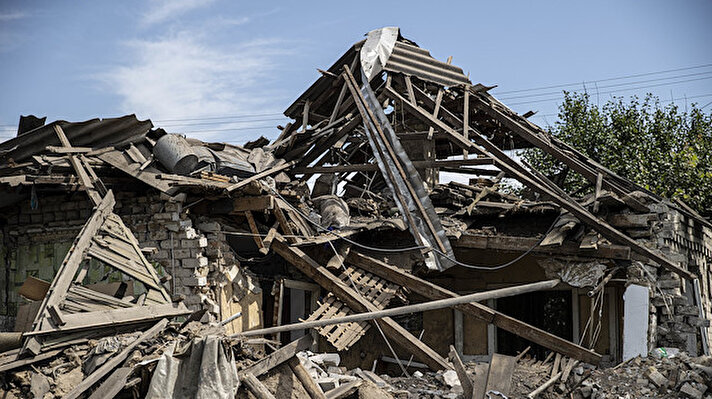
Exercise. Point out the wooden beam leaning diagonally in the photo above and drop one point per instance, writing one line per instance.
(477, 310)
(84, 177)
(589, 173)
(356, 302)
(507, 164)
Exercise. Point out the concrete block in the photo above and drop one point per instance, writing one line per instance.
(161, 234)
(195, 262)
(201, 242)
(194, 281)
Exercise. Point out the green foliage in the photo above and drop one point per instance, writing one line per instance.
(663, 149)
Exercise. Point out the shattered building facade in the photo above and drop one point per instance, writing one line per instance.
(347, 212)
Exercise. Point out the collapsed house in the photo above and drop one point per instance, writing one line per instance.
(112, 225)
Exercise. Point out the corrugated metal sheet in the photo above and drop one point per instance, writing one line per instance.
(413, 60)
(91, 133)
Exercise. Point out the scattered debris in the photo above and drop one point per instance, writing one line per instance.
(139, 262)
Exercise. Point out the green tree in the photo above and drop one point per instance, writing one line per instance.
(664, 149)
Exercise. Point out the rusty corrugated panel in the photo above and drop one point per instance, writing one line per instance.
(413, 60)
(92, 133)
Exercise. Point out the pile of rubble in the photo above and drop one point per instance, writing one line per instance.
(167, 360)
(341, 225)
(680, 376)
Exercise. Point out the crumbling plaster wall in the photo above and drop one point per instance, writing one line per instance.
(675, 312)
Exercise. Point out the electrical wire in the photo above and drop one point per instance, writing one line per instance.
(637, 75)
(612, 91)
(613, 85)
(419, 247)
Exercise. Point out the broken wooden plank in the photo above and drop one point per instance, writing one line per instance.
(255, 386)
(27, 361)
(81, 172)
(112, 363)
(113, 384)
(355, 301)
(480, 382)
(545, 386)
(373, 167)
(522, 244)
(252, 203)
(68, 150)
(303, 376)
(344, 390)
(465, 382)
(115, 317)
(479, 311)
(263, 174)
(280, 356)
(500, 374)
(267, 242)
(253, 228)
(284, 223)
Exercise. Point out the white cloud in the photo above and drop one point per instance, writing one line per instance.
(183, 76)
(162, 10)
(10, 16)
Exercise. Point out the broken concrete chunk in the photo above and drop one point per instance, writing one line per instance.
(690, 392)
(326, 359)
(656, 378)
(450, 378)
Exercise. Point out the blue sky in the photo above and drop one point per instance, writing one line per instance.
(243, 63)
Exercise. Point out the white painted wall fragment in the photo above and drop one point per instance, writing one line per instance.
(635, 321)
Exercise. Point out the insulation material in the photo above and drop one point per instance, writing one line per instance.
(377, 49)
(574, 273)
(204, 370)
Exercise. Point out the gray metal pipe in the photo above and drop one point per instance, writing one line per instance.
(420, 307)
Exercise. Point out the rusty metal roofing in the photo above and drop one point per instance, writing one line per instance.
(91, 133)
(413, 60)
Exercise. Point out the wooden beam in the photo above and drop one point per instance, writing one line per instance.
(521, 244)
(284, 224)
(507, 164)
(465, 382)
(255, 386)
(254, 230)
(252, 203)
(303, 376)
(114, 317)
(280, 356)
(479, 311)
(500, 374)
(374, 167)
(465, 118)
(357, 303)
(263, 174)
(68, 150)
(84, 178)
